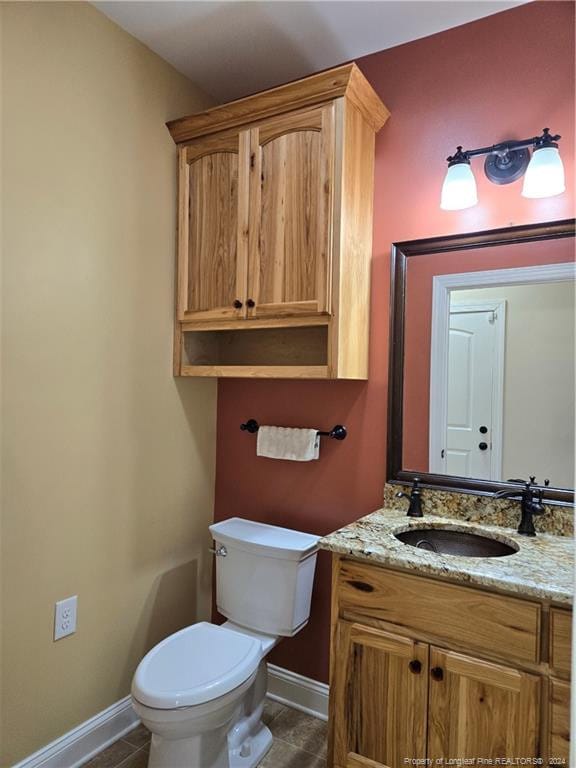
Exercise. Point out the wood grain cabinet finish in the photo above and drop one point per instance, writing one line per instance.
(481, 710)
(275, 231)
(422, 669)
(291, 214)
(496, 625)
(381, 697)
(559, 723)
(560, 642)
(213, 190)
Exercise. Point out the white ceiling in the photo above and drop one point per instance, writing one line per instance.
(232, 48)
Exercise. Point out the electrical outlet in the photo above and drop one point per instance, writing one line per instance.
(65, 617)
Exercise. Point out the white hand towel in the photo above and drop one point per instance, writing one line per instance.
(288, 443)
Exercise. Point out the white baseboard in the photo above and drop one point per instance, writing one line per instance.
(298, 692)
(83, 742)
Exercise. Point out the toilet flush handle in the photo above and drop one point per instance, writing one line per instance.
(220, 551)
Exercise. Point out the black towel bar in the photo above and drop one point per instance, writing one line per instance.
(336, 433)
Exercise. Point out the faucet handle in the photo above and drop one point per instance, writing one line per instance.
(415, 490)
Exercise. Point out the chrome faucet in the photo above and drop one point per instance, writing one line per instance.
(531, 503)
(415, 497)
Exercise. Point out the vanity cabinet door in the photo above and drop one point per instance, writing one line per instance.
(481, 710)
(213, 227)
(291, 197)
(378, 699)
(559, 718)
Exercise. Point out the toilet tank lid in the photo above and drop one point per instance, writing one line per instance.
(265, 540)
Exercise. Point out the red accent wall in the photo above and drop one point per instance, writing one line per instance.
(503, 77)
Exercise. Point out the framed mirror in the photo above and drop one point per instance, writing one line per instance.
(482, 385)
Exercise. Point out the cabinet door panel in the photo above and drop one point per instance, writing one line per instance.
(290, 214)
(559, 737)
(213, 224)
(481, 710)
(380, 698)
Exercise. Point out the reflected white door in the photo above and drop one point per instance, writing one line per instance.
(472, 366)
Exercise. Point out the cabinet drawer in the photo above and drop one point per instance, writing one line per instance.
(560, 641)
(499, 625)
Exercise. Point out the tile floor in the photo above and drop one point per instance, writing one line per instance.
(299, 742)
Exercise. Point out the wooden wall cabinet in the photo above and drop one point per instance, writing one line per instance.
(404, 687)
(275, 231)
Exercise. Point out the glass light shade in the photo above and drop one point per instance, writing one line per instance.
(459, 188)
(545, 174)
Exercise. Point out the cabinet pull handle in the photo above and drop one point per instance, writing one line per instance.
(415, 666)
(437, 673)
(237, 304)
(250, 303)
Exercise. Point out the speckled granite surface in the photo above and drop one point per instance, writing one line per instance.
(543, 566)
(484, 509)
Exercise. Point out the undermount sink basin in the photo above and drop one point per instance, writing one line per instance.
(449, 542)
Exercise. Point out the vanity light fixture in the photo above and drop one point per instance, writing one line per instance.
(506, 162)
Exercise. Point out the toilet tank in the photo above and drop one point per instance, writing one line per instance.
(264, 581)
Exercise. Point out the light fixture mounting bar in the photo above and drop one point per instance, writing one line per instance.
(505, 146)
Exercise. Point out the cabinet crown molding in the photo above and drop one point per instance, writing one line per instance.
(347, 81)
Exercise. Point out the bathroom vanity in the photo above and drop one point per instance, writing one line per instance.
(439, 656)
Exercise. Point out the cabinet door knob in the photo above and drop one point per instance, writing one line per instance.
(415, 666)
(483, 446)
(437, 673)
(237, 304)
(250, 303)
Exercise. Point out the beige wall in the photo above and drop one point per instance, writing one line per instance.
(107, 462)
(538, 379)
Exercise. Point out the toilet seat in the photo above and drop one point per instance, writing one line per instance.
(195, 665)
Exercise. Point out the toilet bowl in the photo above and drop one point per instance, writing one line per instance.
(201, 691)
(190, 689)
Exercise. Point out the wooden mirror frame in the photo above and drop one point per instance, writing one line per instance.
(400, 254)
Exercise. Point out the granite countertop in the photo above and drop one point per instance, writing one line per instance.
(543, 566)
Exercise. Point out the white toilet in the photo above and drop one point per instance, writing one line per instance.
(201, 691)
